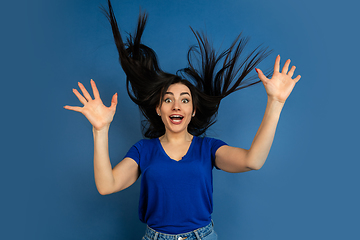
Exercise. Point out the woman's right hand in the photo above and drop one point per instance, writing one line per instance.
(94, 110)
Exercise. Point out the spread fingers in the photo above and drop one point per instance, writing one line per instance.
(84, 91)
(286, 66)
(79, 96)
(277, 64)
(76, 109)
(297, 78)
(292, 70)
(95, 90)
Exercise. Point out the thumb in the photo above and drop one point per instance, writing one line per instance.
(114, 101)
(261, 75)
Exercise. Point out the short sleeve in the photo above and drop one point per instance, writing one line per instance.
(215, 145)
(134, 152)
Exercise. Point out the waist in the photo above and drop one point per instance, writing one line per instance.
(193, 235)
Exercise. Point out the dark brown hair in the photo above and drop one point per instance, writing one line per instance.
(210, 78)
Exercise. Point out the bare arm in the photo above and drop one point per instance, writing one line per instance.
(110, 180)
(233, 159)
(278, 88)
(125, 173)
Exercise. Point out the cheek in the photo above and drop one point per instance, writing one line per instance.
(191, 109)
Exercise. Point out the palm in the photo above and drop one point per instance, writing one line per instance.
(281, 83)
(94, 110)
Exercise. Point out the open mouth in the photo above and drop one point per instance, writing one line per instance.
(176, 119)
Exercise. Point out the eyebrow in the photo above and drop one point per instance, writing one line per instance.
(183, 93)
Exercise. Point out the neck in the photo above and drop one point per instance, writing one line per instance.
(176, 137)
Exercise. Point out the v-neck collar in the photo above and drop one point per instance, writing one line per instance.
(184, 157)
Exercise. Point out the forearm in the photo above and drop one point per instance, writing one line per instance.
(264, 137)
(104, 178)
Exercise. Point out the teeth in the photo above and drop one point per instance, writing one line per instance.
(176, 118)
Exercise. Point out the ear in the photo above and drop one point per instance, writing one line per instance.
(158, 110)
(193, 114)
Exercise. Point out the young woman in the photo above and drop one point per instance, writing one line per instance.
(175, 162)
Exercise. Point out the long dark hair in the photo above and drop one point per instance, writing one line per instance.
(211, 77)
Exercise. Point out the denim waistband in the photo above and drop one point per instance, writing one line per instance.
(194, 235)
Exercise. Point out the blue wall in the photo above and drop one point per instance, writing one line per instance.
(309, 186)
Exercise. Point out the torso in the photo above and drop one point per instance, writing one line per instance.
(175, 151)
(176, 196)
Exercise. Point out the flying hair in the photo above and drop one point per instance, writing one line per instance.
(209, 76)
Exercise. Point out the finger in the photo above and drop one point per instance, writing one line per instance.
(79, 96)
(277, 64)
(286, 66)
(292, 70)
(84, 91)
(261, 75)
(114, 101)
(76, 109)
(297, 78)
(95, 90)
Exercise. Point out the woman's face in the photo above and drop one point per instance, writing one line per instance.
(176, 109)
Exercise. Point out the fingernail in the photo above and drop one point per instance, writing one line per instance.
(256, 70)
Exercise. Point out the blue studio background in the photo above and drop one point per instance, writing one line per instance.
(307, 189)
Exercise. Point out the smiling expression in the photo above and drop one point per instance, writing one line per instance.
(176, 108)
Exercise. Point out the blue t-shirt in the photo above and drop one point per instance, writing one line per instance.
(176, 196)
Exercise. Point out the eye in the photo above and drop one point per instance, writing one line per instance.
(185, 100)
(167, 100)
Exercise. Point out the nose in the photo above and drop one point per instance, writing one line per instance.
(176, 106)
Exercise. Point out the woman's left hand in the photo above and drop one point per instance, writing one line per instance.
(281, 83)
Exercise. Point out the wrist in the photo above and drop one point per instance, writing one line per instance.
(101, 130)
(274, 106)
(276, 101)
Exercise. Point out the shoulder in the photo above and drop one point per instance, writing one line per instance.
(212, 144)
(145, 143)
(210, 141)
(141, 149)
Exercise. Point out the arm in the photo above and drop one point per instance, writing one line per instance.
(110, 180)
(233, 159)
(278, 88)
(125, 173)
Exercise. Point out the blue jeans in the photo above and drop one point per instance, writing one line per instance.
(204, 233)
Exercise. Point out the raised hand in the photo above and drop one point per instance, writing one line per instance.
(281, 83)
(94, 110)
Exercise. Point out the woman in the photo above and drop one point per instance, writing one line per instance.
(176, 164)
